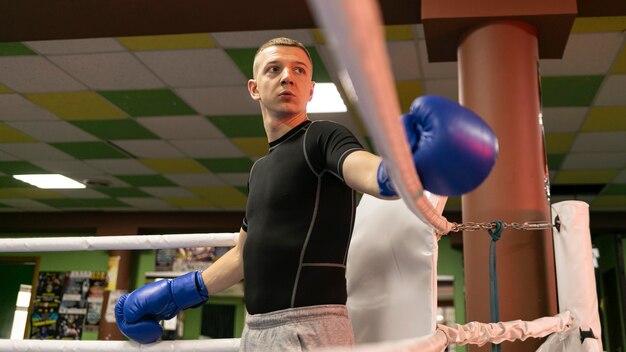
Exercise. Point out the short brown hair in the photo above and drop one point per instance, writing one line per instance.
(283, 41)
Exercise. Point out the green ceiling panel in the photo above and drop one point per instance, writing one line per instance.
(555, 161)
(90, 150)
(62, 203)
(224, 165)
(10, 182)
(20, 168)
(116, 129)
(239, 126)
(15, 49)
(244, 58)
(569, 90)
(614, 189)
(242, 189)
(147, 180)
(83, 203)
(155, 102)
(128, 192)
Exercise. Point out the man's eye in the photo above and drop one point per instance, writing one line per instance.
(272, 69)
(300, 70)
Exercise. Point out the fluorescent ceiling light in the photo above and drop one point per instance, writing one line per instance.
(326, 98)
(49, 181)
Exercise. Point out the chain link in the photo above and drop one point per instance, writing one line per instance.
(477, 226)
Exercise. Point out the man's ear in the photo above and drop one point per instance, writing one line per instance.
(252, 89)
(311, 91)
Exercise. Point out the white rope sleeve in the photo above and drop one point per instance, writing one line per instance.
(355, 31)
(92, 243)
(214, 345)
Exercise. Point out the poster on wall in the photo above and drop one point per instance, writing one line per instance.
(66, 303)
(187, 259)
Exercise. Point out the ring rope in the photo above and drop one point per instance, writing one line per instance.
(212, 345)
(92, 243)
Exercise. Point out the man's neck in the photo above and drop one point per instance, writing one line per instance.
(276, 127)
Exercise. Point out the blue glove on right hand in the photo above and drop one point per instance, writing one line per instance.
(453, 149)
(138, 313)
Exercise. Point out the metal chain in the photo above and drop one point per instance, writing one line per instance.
(477, 226)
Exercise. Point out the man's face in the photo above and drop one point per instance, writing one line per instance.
(282, 80)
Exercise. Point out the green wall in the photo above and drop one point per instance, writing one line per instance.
(450, 262)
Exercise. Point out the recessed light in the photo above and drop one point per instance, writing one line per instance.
(50, 181)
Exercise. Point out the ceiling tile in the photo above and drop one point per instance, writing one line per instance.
(115, 129)
(239, 125)
(28, 204)
(4, 89)
(174, 166)
(594, 161)
(15, 49)
(195, 180)
(605, 119)
(68, 168)
(598, 24)
(77, 105)
(609, 202)
(224, 165)
(600, 142)
(612, 92)
(189, 203)
(220, 100)
(9, 134)
(52, 131)
(149, 149)
(34, 151)
(403, 60)
(563, 119)
(123, 192)
(584, 176)
(208, 148)
(19, 168)
(163, 192)
(435, 69)
(11, 182)
(235, 178)
(35, 74)
(146, 203)
(108, 71)
(121, 167)
(193, 68)
(557, 143)
(6, 157)
(28, 193)
(614, 189)
(16, 108)
(90, 150)
(407, 92)
(168, 41)
(86, 193)
(222, 196)
(569, 90)
(84, 203)
(181, 127)
(75, 46)
(252, 147)
(155, 102)
(621, 177)
(254, 39)
(146, 180)
(448, 88)
(585, 54)
(555, 160)
(399, 32)
(620, 63)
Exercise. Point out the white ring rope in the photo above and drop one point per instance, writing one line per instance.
(92, 243)
(212, 345)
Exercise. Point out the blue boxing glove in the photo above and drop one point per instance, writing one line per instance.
(138, 313)
(453, 149)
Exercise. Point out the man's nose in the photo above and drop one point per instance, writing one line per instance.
(286, 77)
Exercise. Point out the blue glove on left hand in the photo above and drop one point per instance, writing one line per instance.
(453, 149)
(138, 313)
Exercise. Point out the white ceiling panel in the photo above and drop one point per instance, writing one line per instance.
(147, 203)
(600, 142)
(16, 108)
(254, 39)
(28, 204)
(563, 119)
(86, 193)
(594, 161)
(195, 180)
(181, 127)
(34, 151)
(68, 167)
(149, 148)
(235, 178)
(208, 148)
(164, 192)
(448, 88)
(34, 74)
(612, 92)
(193, 68)
(108, 71)
(234, 100)
(75, 46)
(53, 131)
(121, 166)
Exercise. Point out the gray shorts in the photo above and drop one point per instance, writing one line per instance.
(297, 329)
